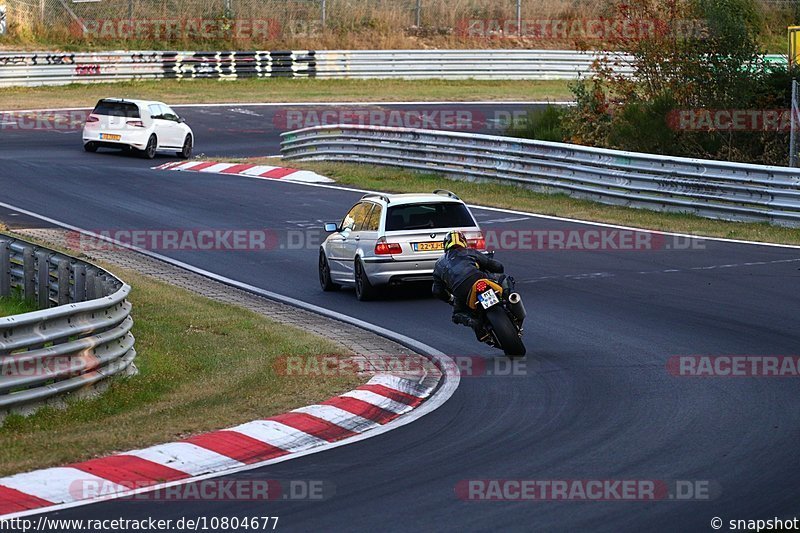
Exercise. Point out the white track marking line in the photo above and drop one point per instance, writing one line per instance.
(338, 416)
(445, 390)
(573, 220)
(234, 105)
(596, 275)
(279, 435)
(378, 401)
(186, 457)
(217, 168)
(400, 384)
(59, 484)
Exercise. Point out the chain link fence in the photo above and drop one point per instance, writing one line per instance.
(321, 23)
(336, 13)
(286, 18)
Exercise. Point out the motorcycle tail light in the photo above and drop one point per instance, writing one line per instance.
(481, 286)
(387, 248)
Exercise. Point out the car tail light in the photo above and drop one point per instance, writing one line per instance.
(476, 241)
(137, 123)
(481, 286)
(387, 248)
(90, 118)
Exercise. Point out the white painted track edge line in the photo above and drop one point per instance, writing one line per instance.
(363, 103)
(445, 389)
(555, 217)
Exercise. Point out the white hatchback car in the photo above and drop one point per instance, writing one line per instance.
(142, 125)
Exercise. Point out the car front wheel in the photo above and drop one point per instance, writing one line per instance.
(325, 280)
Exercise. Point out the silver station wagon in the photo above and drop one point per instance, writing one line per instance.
(390, 239)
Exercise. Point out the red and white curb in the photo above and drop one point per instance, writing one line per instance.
(249, 170)
(382, 399)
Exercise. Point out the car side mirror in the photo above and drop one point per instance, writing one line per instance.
(330, 227)
(181, 120)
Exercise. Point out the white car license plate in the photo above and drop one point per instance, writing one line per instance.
(488, 299)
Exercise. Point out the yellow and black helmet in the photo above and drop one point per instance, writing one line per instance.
(454, 238)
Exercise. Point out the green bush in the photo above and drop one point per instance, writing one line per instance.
(546, 125)
(718, 69)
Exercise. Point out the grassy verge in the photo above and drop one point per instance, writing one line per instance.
(510, 197)
(283, 90)
(202, 365)
(11, 305)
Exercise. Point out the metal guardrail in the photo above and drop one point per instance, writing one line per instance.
(84, 338)
(713, 189)
(55, 68)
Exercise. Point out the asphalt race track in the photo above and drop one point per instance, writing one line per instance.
(595, 399)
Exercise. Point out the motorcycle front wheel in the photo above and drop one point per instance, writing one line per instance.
(505, 331)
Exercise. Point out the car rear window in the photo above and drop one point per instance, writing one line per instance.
(428, 215)
(116, 109)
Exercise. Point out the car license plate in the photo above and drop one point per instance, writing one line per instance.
(433, 246)
(488, 299)
(110, 136)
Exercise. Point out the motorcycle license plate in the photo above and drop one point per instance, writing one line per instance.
(488, 299)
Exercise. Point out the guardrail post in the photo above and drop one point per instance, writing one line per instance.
(99, 286)
(62, 273)
(90, 284)
(29, 273)
(5, 269)
(79, 289)
(43, 280)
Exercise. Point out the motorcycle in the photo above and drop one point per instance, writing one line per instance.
(501, 312)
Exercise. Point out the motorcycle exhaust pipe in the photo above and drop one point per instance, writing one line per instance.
(516, 306)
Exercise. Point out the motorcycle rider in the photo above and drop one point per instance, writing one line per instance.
(456, 272)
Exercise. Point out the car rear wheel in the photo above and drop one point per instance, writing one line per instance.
(365, 291)
(186, 152)
(90, 147)
(325, 280)
(149, 151)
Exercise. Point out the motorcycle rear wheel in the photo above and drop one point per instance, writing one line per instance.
(505, 332)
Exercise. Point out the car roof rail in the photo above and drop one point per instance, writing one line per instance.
(376, 195)
(448, 193)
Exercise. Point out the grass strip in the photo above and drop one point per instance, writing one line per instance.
(203, 365)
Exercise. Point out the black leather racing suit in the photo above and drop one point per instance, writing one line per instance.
(455, 273)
